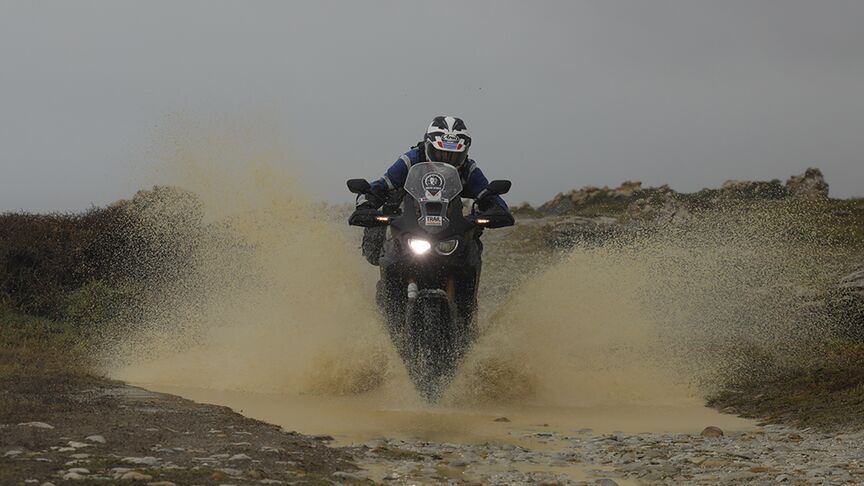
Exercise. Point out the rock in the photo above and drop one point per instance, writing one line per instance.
(161, 483)
(810, 185)
(605, 482)
(142, 461)
(753, 189)
(80, 456)
(229, 471)
(37, 425)
(80, 470)
(711, 431)
(347, 476)
(47, 484)
(13, 453)
(135, 476)
(77, 445)
(96, 438)
(714, 464)
(239, 457)
(502, 419)
(73, 476)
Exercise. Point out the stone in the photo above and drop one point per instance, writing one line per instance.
(714, 464)
(239, 457)
(142, 461)
(605, 482)
(502, 419)
(96, 438)
(13, 453)
(73, 476)
(37, 425)
(711, 431)
(135, 476)
(77, 445)
(161, 483)
(80, 470)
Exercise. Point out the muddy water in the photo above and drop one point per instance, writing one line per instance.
(353, 420)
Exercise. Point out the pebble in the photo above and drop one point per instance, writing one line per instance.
(712, 431)
(135, 476)
(79, 470)
(143, 461)
(13, 453)
(38, 425)
(239, 457)
(96, 438)
(77, 445)
(73, 476)
(348, 476)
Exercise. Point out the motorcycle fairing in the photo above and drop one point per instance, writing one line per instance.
(433, 185)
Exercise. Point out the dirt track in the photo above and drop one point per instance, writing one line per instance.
(92, 431)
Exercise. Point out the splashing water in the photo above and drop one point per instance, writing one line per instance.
(276, 299)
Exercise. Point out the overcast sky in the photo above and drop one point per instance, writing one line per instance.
(556, 94)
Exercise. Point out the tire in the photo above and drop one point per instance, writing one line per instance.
(432, 357)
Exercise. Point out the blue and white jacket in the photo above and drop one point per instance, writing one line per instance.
(474, 183)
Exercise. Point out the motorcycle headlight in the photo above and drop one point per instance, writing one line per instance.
(419, 247)
(447, 247)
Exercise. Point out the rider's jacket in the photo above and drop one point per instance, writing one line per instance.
(474, 183)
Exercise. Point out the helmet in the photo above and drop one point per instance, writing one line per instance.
(447, 140)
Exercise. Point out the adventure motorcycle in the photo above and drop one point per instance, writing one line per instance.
(430, 269)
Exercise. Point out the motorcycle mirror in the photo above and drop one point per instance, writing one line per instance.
(499, 187)
(358, 186)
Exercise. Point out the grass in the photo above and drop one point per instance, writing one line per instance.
(827, 396)
(40, 363)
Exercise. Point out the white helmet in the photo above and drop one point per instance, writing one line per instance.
(447, 140)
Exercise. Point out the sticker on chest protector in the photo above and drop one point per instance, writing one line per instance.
(434, 221)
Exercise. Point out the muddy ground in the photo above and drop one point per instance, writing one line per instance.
(77, 429)
(69, 428)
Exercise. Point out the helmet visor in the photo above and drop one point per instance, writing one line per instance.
(455, 159)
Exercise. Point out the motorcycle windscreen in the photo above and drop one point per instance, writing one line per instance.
(433, 185)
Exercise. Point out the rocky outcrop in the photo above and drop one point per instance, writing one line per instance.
(809, 185)
(569, 202)
(664, 203)
(753, 189)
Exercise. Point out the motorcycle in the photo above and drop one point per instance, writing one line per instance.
(430, 269)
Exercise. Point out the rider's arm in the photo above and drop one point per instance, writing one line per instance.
(476, 188)
(393, 178)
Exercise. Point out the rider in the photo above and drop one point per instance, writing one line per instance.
(446, 140)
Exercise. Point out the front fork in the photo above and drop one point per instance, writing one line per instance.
(450, 288)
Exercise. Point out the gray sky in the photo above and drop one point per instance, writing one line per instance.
(556, 94)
